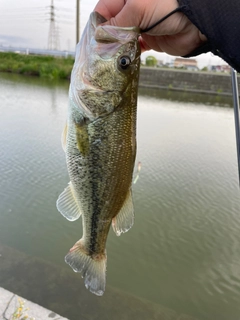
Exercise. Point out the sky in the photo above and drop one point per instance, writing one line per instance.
(26, 23)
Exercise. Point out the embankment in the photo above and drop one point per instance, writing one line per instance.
(188, 81)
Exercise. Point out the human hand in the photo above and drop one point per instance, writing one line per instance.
(176, 35)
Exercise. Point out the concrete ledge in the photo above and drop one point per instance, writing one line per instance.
(186, 81)
(62, 290)
(10, 303)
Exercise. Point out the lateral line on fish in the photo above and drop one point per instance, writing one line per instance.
(95, 214)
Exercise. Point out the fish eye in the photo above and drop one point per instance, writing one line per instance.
(124, 62)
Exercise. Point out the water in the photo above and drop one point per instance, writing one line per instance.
(183, 251)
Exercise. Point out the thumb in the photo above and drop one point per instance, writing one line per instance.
(126, 17)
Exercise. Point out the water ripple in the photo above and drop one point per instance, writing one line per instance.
(183, 251)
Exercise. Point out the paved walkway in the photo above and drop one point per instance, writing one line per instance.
(12, 305)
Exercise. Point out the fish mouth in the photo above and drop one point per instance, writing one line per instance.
(111, 34)
(97, 19)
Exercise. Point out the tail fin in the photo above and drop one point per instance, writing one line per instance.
(93, 270)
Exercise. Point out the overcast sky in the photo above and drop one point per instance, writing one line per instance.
(26, 23)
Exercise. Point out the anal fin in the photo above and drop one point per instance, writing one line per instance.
(125, 218)
(67, 205)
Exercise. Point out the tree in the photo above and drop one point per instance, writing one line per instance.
(151, 61)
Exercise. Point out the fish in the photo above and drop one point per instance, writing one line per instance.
(99, 140)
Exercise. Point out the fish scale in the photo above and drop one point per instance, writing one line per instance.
(100, 144)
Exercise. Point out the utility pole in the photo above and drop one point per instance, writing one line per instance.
(77, 20)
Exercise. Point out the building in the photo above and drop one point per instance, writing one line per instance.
(185, 63)
(160, 63)
(221, 68)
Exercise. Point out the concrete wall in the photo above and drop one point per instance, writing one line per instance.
(190, 81)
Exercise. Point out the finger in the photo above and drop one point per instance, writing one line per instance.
(131, 15)
(109, 8)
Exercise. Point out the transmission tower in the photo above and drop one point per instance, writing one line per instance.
(53, 34)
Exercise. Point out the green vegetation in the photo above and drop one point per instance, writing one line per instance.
(42, 66)
(151, 61)
(20, 312)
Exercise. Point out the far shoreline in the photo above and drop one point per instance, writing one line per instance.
(158, 78)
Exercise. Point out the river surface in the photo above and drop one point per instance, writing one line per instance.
(183, 251)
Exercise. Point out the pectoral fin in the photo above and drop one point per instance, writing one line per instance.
(67, 204)
(64, 138)
(125, 218)
(82, 139)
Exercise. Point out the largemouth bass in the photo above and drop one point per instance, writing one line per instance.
(100, 143)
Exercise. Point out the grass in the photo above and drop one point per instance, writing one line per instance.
(20, 312)
(41, 66)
